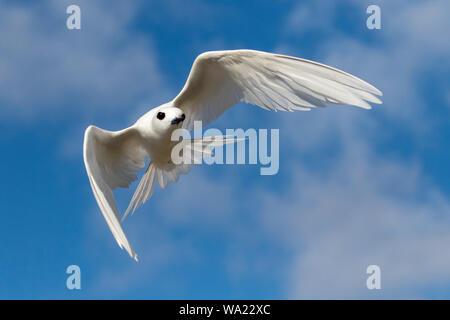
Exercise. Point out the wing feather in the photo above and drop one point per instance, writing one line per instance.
(112, 160)
(220, 79)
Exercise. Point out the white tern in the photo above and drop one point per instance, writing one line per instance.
(218, 80)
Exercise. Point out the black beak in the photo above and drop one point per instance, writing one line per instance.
(178, 120)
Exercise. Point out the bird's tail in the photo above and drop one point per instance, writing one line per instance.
(170, 172)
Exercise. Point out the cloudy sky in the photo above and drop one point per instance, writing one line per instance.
(355, 187)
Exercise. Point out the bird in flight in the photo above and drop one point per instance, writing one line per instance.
(217, 81)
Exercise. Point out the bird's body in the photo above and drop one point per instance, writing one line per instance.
(157, 141)
(218, 80)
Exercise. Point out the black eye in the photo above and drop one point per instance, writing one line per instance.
(160, 115)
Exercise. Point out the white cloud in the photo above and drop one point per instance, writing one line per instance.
(409, 42)
(312, 16)
(48, 69)
(354, 205)
(368, 210)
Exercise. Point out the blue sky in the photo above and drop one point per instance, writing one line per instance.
(355, 187)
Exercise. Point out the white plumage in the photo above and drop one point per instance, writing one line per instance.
(218, 80)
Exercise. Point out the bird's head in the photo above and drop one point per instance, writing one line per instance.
(167, 119)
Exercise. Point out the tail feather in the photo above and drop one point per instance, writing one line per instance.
(171, 172)
(143, 192)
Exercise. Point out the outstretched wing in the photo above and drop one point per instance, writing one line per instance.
(220, 79)
(112, 160)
